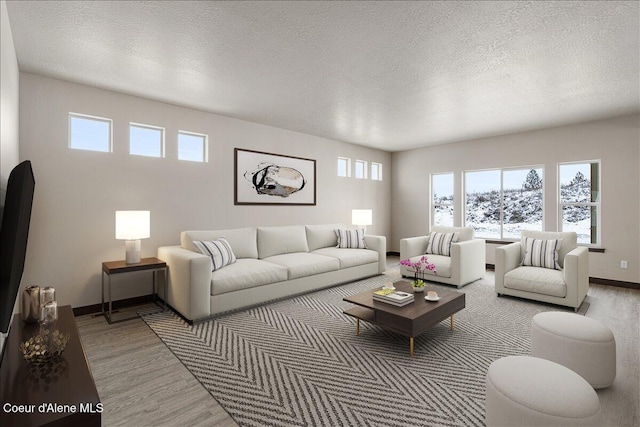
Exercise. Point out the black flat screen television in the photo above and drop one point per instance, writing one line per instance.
(16, 217)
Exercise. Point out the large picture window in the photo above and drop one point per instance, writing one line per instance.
(442, 199)
(521, 201)
(500, 203)
(579, 205)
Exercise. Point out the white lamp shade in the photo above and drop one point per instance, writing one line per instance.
(133, 225)
(362, 217)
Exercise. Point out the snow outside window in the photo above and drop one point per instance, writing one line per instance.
(580, 200)
(500, 203)
(89, 133)
(442, 199)
(344, 167)
(145, 140)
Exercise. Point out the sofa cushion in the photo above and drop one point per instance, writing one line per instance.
(246, 273)
(541, 253)
(349, 257)
(351, 239)
(440, 243)
(304, 264)
(322, 236)
(219, 251)
(537, 280)
(442, 263)
(281, 240)
(242, 240)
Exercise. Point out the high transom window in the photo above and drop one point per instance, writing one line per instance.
(192, 146)
(90, 133)
(146, 140)
(344, 167)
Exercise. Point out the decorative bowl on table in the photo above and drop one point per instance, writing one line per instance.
(46, 346)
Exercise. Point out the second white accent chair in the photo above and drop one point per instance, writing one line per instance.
(567, 286)
(465, 264)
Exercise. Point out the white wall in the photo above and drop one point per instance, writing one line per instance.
(9, 87)
(9, 77)
(77, 192)
(616, 142)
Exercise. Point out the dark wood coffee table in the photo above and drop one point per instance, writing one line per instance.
(410, 320)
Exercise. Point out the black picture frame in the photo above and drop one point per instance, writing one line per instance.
(262, 178)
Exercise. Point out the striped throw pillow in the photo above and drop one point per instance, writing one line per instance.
(541, 253)
(440, 243)
(351, 239)
(219, 250)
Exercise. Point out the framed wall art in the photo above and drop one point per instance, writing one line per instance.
(273, 179)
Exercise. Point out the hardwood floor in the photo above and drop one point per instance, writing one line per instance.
(139, 380)
(141, 383)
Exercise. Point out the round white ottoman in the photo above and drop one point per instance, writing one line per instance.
(580, 343)
(528, 391)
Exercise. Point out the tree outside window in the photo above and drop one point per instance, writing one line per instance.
(521, 201)
(499, 204)
(580, 200)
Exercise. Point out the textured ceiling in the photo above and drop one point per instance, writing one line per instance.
(390, 75)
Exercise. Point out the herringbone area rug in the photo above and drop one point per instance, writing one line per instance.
(298, 362)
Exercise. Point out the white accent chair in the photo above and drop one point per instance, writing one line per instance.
(465, 265)
(567, 287)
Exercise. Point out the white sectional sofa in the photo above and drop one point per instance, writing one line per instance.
(272, 263)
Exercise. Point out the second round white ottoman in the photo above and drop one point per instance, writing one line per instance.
(580, 343)
(528, 391)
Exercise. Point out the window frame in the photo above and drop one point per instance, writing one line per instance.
(432, 201)
(205, 145)
(151, 127)
(365, 166)
(502, 171)
(597, 205)
(73, 115)
(379, 167)
(348, 167)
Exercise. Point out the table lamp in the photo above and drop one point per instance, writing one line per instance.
(132, 226)
(362, 217)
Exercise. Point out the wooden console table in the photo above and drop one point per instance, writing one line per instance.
(62, 386)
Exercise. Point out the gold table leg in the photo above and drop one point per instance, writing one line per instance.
(452, 322)
(357, 326)
(411, 346)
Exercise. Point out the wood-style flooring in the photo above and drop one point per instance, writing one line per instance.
(141, 383)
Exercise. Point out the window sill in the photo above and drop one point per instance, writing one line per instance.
(506, 242)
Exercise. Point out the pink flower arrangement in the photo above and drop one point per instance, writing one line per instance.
(419, 266)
